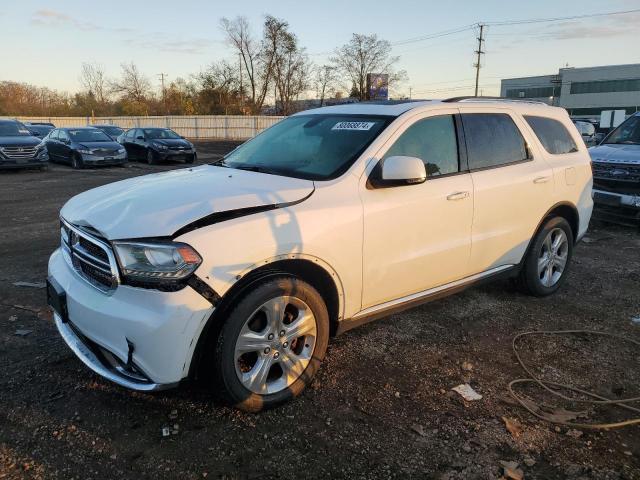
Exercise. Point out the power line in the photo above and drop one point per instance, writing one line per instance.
(559, 19)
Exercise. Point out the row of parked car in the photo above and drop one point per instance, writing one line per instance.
(36, 144)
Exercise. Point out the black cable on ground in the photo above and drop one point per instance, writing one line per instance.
(556, 389)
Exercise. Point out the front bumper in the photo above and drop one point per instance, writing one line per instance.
(175, 154)
(40, 160)
(98, 160)
(613, 199)
(156, 332)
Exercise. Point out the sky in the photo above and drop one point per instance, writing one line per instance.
(44, 42)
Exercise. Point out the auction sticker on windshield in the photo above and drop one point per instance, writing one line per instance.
(353, 126)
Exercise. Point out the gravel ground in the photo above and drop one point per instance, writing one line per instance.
(381, 407)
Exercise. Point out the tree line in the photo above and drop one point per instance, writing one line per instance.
(270, 68)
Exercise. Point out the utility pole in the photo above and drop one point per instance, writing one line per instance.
(478, 53)
(164, 92)
(241, 99)
(410, 93)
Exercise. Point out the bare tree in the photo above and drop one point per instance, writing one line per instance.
(325, 81)
(362, 55)
(132, 83)
(291, 71)
(240, 38)
(94, 81)
(219, 87)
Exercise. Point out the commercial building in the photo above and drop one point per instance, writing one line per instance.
(584, 92)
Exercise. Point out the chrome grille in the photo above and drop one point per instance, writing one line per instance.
(104, 151)
(90, 256)
(622, 172)
(19, 152)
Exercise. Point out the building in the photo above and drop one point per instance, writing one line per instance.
(584, 92)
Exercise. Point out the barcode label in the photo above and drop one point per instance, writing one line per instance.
(353, 126)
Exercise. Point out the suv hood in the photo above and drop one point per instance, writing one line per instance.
(616, 153)
(19, 141)
(159, 205)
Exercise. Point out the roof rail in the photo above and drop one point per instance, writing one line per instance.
(504, 99)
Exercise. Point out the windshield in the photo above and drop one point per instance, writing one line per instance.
(314, 147)
(89, 136)
(627, 132)
(13, 129)
(113, 131)
(41, 129)
(153, 133)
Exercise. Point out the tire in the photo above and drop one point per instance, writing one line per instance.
(191, 159)
(267, 353)
(151, 158)
(546, 265)
(76, 161)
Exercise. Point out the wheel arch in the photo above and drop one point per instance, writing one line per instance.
(566, 210)
(311, 269)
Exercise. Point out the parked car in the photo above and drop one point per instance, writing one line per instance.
(157, 144)
(329, 219)
(587, 131)
(38, 130)
(616, 173)
(20, 149)
(111, 130)
(84, 146)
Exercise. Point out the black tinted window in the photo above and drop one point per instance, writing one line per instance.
(433, 140)
(552, 134)
(493, 139)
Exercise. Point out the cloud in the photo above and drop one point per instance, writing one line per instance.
(51, 18)
(165, 43)
(606, 27)
(157, 41)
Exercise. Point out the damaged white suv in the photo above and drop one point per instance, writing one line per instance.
(332, 217)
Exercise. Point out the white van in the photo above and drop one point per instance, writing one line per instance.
(329, 219)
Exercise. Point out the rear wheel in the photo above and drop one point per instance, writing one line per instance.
(76, 161)
(547, 261)
(272, 344)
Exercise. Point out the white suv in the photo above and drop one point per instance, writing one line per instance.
(329, 219)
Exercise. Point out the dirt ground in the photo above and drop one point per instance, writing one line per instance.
(381, 407)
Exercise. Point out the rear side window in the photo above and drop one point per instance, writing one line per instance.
(433, 140)
(552, 134)
(493, 139)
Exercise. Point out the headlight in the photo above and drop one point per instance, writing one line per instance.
(85, 151)
(41, 145)
(160, 146)
(121, 150)
(156, 262)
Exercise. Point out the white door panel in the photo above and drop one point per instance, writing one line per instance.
(415, 238)
(507, 209)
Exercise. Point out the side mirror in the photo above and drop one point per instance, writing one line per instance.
(139, 137)
(397, 171)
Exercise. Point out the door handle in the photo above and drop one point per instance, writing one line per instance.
(457, 195)
(541, 179)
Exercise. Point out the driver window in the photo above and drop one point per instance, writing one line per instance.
(62, 135)
(434, 141)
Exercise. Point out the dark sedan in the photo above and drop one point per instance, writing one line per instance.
(84, 146)
(111, 130)
(39, 130)
(157, 144)
(20, 149)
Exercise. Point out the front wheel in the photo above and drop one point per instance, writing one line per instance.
(547, 262)
(76, 161)
(272, 344)
(151, 158)
(191, 159)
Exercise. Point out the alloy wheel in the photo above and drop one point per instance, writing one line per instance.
(553, 257)
(275, 345)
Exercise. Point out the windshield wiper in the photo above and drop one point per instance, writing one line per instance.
(255, 168)
(624, 142)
